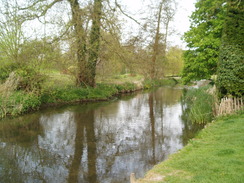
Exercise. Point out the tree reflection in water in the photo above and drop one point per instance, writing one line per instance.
(92, 143)
(152, 121)
(84, 133)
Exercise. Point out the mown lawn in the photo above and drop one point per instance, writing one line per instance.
(216, 155)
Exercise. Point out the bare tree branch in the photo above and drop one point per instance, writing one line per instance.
(43, 12)
(31, 6)
(124, 13)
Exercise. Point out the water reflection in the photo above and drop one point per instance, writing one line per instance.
(92, 143)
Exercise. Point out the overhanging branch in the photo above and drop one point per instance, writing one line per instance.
(124, 13)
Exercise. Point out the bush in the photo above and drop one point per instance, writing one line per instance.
(5, 70)
(31, 79)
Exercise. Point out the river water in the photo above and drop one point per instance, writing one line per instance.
(98, 142)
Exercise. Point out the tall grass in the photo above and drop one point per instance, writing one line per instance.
(18, 102)
(199, 105)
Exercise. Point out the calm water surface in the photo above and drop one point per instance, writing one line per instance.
(100, 142)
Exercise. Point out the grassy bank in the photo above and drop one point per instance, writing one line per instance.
(216, 155)
(59, 89)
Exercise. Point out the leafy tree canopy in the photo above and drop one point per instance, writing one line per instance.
(204, 39)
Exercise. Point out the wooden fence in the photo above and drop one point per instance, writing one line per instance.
(229, 106)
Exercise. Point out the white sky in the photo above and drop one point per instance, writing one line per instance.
(181, 21)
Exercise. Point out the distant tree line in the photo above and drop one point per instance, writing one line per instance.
(84, 38)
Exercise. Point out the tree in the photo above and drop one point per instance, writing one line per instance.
(231, 63)
(165, 15)
(87, 55)
(11, 33)
(156, 40)
(11, 37)
(94, 42)
(40, 54)
(80, 39)
(174, 59)
(203, 40)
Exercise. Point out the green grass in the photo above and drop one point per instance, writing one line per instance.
(216, 155)
(56, 79)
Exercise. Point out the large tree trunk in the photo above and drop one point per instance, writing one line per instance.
(156, 43)
(80, 37)
(94, 41)
(87, 67)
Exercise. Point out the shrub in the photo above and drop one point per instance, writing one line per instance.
(31, 79)
(5, 70)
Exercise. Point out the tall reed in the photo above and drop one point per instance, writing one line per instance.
(199, 105)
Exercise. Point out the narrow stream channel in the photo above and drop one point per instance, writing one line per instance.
(99, 142)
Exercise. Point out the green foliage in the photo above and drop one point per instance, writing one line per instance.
(231, 63)
(31, 79)
(199, 105)
(65, 94)
(174, 59)
(159, 82)
(102, 91)
(5, 69)
(18, 102)
(126, 87)
(59, 89)
(11, 31)
(40, 54)
(203, 40)
(75, 94)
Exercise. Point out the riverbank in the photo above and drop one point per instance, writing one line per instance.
(215, 155)
(15, 103)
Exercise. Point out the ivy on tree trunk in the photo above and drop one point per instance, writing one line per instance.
(87, 55)
(94, 42)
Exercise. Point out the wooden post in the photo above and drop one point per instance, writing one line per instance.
(132, 178)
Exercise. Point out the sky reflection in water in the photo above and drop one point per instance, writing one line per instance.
(102, 142)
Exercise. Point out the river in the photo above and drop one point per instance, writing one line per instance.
(97, 142)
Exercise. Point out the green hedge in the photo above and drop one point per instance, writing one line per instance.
(231, 63)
